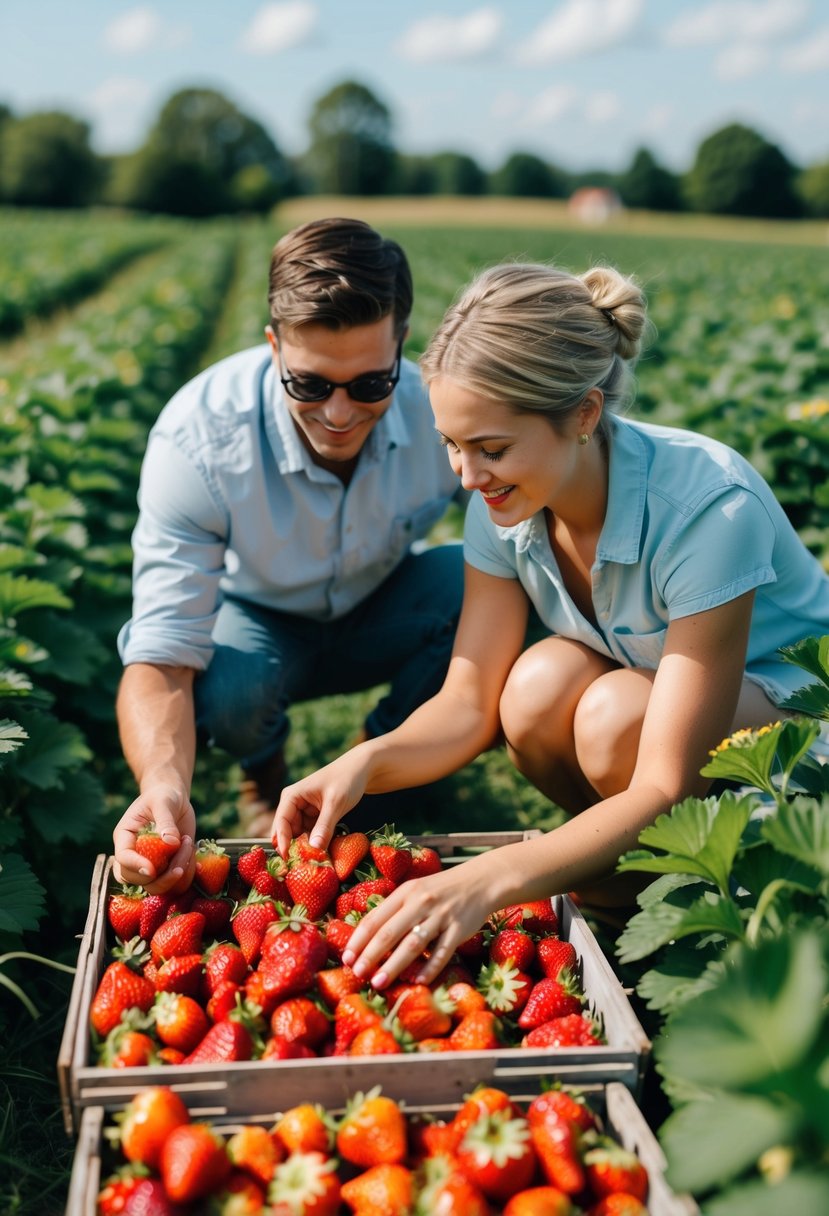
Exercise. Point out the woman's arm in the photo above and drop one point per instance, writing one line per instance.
(441, 736)
(691, 708)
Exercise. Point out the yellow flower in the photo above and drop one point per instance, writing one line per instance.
(744, 738)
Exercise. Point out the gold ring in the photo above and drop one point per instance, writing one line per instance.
(419, 932)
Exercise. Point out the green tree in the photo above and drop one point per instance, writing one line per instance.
(351, 150)
(457, 173)
(46, 160)
(648, 185)
(415, 175)
(738, 172)
(203, 156)
(813, 188)
(524, 175)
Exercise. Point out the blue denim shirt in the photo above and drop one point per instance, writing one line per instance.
(689, 525)
(230, 502)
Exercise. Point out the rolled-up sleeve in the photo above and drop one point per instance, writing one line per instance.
(179, 548)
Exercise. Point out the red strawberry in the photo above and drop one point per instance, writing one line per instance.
(301, 1020)
(301, 849)
(391, 853)
(610, 1168)
(559, 1104)
(306, 1185)
(286, 1049)
(539, 1201)
(224, 1000)
(180, 1021)
(223, 961)
(249, 922)
(178, 935)
(337, 935)
(364, 896)
(271, 880)
(128, 1046)
(497, 1155)
(304, 1129)
(250, 863)
(425, 860)
(150, 1199)
(424, 1014)
(158, 852)
(240, 1195)
(554, 956)
(212, 866)
(293, 951)
(147, 1120)
(314, 884)
(372, 1131)
(485, 1100)
(347, 850)
(170, 1055)
(382, 1190)
(466, 999)
(535, 916)
(618, 1204)
(353, 1014)
(227, 1041)
(193, 1162)
(124, 911)
(550, 999)
(180, 974)
(336, 982)
(116, 1190)
(515, 945)
(476, 1032)
(154, 909)
(216, 913)
(505, 989)
(120, 988)
(574, 1030)
(556, 1142)
(446, 1189)
(474, 948)
(254, 1150)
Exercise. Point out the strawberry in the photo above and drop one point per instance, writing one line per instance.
(180, 1021)
(539, 1201)
(150, 1199)
(314, 884)
(363, 897)
(372, 1130)
(277, 1048)
(423, 1013)
(120, 988)
(382, 1190)
(128, 1045)
(513, 945)
(193, 1162)
(293, 951)
(483, 1101)
(347, 850)
(554, 956)
(271, 880)
(466, 999)
(474, 948)
(240, 1195)
(226, 1041)
(223, 1001)
(212, 866)
(223, 961)
(477, 1032)
(425, 861)
(504, 988)
(305, 1185)
(256, 994)
(435, 1044)
(249, 922)
(455, 972)
(338, 933)
(182, 974)
(618, 1204)
(254, 1150)
(335, 983)
(116, 1190)
(610, 1168)
(170, 1055)
(497, 1155)
(301, 849)
(250, 863)
(353, 1014)
(561, 1105)
(176, 936)
(150, 845)
(391, 852)
(154, 909)
(535, 916)
(550, 999)
(444, 1188)
(216, 912)
(574, 1030)
(304, 1129)
(429, 1137)
(378, 1040)
(301, 1020)
(124, 911)
(556, 1142)
(147, 1120)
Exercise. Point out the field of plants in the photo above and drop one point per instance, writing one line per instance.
(101, 319)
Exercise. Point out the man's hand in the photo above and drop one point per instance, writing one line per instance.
(172, 813)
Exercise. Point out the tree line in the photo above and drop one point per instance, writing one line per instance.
(203, 156)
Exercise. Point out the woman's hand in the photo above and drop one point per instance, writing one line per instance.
(318, 802)
(435, 913)
(170, 810)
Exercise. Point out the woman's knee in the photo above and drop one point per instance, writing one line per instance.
(607, 724)
(543, 689)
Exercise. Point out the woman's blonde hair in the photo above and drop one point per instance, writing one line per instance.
(539, 338)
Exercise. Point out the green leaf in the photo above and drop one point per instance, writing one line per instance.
(759, 1022)
(12, 735)
(811, 699)
(22, 898)
(709, 1143)
(803, 1193)
(698, 836)
(747, 755)
(812, 654)
(667, 885)
(75, 654)
(684, 974)
(53, 746)
(659, 924)
(73, 812)
(757, 868)
(17, 594)
(801, 829)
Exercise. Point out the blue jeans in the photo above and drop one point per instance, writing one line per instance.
(265, 660)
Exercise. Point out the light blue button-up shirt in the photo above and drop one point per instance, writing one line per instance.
(230, 502)
(689, 525)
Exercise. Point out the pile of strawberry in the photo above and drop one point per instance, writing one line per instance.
(247, 963)
(492, 1156)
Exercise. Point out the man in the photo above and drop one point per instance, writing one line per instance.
(280, 494)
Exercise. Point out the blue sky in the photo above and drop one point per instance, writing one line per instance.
(582, 83)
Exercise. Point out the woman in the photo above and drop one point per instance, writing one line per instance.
(659, 561)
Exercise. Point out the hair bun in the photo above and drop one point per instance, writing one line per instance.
(622, 303)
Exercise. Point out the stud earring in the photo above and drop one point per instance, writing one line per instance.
(583, 439)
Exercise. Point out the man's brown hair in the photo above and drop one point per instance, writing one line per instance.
(338, 273)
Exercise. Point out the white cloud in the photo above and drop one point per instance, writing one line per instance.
(118, 92)
(279, 27)
(549, 105)
(658, 118)
(741, 61)
(601, 107)
(142, 29)
(744, 20)
(118, 106)
(579, 27)
(809, 56)
(445, 38)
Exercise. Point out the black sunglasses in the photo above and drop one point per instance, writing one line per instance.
(368, 389)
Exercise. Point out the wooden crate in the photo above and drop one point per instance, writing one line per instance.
(614, 1102)
(260, 1085)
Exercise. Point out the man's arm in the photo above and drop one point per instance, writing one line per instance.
(156, 721)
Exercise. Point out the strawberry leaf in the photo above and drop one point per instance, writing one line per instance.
(812, 654)
(17, 594)
(800, 829)
(803, 1191)
(48, 811)
(52, 747)
(683, 974)
(22, 898)
(12, 736)
(662, 923)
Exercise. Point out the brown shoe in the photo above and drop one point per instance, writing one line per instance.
(259, 792)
